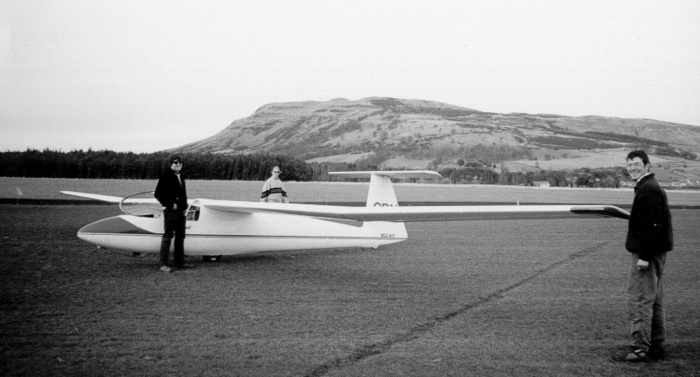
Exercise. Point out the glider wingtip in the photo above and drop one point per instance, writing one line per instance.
(617, 212)
(605, 210)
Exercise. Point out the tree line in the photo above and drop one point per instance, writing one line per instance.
(583, 177)
(107, 164)
(127, 165)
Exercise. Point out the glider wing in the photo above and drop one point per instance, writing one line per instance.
(421, 213)
(102, 198)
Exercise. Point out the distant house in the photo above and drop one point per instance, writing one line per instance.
(679, 184)
(540, 183)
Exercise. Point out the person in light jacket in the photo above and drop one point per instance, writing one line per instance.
(273, 189)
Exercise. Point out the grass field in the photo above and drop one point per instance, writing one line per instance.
(320, 192)
(489, 298)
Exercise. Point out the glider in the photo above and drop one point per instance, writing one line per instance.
(220, 227)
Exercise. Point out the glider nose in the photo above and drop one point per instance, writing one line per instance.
(122, 234)
(112, 226)
(106, 226)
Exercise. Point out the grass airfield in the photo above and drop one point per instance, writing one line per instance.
(482, 298)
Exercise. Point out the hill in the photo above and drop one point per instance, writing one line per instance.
(390, 129)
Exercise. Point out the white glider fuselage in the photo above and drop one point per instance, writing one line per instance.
(217, 227)
(213, 232)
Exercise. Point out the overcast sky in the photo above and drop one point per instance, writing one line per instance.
(144, 76)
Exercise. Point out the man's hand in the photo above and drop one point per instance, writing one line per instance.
(642, 265)
(174, 206)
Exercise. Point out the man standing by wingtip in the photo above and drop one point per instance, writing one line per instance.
(649, 238)
(171, 192)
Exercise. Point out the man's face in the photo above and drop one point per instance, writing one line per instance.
(176, 166)
(636, 168)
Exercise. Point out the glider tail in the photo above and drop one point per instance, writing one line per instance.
(381, 194)
(381, 190)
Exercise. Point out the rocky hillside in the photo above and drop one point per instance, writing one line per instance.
(318, 129)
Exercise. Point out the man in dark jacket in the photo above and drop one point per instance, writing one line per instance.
(171, 192)
(649, 237)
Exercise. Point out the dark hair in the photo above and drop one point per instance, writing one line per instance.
(174, 157)
(639, 153)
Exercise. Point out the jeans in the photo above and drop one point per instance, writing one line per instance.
(646, 304)
(174, 224)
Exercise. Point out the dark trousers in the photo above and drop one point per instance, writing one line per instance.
(174, 225)
(646, 304)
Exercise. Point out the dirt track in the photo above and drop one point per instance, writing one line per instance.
(490, 298)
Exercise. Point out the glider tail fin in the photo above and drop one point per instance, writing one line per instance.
(381, 192)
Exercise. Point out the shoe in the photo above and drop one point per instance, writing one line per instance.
(165, 268)
(185, 265)
(636, 356)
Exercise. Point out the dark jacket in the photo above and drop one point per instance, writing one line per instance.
(169, 191)
(650, 232)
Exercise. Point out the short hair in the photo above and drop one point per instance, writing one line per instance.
(639, 153)
(174, 157)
